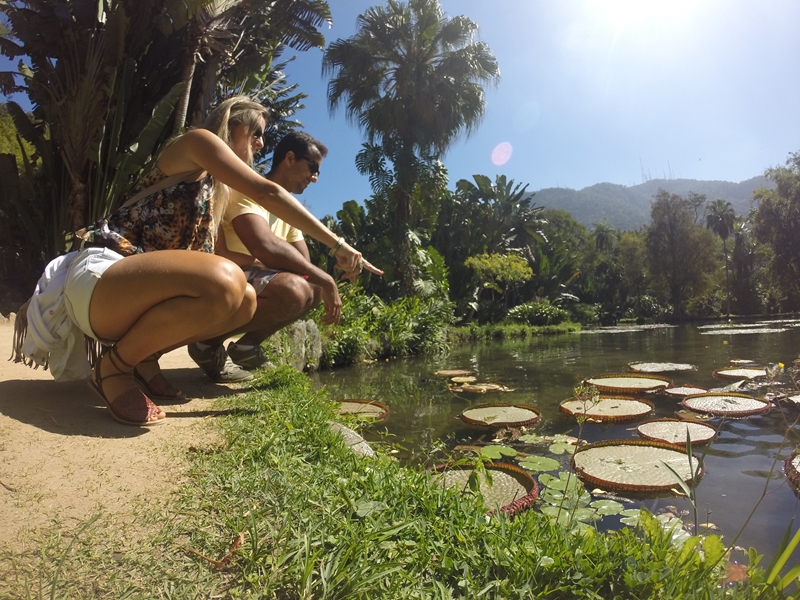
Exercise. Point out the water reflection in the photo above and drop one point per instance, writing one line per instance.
(544, 371)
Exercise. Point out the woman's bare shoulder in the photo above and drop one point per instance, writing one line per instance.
(185, 151)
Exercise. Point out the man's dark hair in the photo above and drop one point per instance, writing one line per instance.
(298, 142)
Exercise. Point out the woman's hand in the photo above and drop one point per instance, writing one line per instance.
(349, 260)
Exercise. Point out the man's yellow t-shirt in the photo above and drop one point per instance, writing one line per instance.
(239, 205)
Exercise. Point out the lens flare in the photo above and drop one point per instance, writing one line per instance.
(502, 153)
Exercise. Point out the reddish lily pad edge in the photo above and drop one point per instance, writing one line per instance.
(524, 478)
(610, 485)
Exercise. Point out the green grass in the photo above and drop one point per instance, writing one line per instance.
(475, 332)
(319, 522)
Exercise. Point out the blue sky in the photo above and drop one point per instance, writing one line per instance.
(600, 91)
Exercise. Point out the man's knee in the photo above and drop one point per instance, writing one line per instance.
(292, 293)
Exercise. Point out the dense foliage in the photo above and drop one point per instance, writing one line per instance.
(102, 109)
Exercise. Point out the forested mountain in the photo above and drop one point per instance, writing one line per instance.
(628, 207)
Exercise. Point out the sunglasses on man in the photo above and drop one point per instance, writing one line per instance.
(313, 166)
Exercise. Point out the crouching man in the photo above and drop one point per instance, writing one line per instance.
(275, 259)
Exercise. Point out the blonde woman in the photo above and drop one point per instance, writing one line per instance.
(134, 286)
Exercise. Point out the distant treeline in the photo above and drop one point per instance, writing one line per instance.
(628, 207)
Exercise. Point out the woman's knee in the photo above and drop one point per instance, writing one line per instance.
(225, 287)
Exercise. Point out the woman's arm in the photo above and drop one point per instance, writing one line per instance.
(204, 149)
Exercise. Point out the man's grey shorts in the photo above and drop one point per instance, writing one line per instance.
(259, 277)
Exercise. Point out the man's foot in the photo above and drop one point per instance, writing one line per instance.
(248, 357)
(216, 364)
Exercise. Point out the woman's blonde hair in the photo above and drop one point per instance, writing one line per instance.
(221, 120)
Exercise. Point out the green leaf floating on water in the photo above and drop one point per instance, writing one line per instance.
(496, 452)
(539, 463)
(608, 507)
(561, 448)
(564, 515)
(631, 516)
(564, 481)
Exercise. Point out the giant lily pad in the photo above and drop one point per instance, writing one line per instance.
(454, 372)
(633, 465)
(727, 404)
(684, 390)
(480, 388)
(367, 409)
(741, 372)
(674, 431)
(512, 490)
(647, 367)
(608, 408)
(629, 383)
(501, 415)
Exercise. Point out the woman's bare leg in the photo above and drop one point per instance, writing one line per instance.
(161, 300)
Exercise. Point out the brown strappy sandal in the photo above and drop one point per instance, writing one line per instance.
(157, 387)
(131, 407)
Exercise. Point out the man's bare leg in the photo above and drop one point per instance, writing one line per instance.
(286, 299)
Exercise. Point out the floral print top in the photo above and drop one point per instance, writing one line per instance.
(178, 217)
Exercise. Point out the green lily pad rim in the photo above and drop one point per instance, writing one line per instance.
(726, 413)
(629, 375)
(524, 478)
(643, 488)
(500, 424)
(678, 444)
(379, 417)
(611, 418)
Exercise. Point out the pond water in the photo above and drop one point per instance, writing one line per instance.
(542, 371)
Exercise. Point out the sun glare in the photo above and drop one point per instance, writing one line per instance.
(623, 14)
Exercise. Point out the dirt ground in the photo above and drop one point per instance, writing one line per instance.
(63, 459)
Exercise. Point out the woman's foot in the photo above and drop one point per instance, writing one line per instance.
(150, 378)
(112, 380)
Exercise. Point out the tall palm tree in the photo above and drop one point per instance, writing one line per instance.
(720, 218)
(412, 79)
(605, 236)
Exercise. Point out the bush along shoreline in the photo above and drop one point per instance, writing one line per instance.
(283, 509)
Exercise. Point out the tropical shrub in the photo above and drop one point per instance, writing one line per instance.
(371, 328)
(538, 313)
(584, 314)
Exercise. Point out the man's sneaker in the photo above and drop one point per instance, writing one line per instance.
(216, 364)
(249, 357)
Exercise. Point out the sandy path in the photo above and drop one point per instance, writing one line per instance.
(63, 459)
